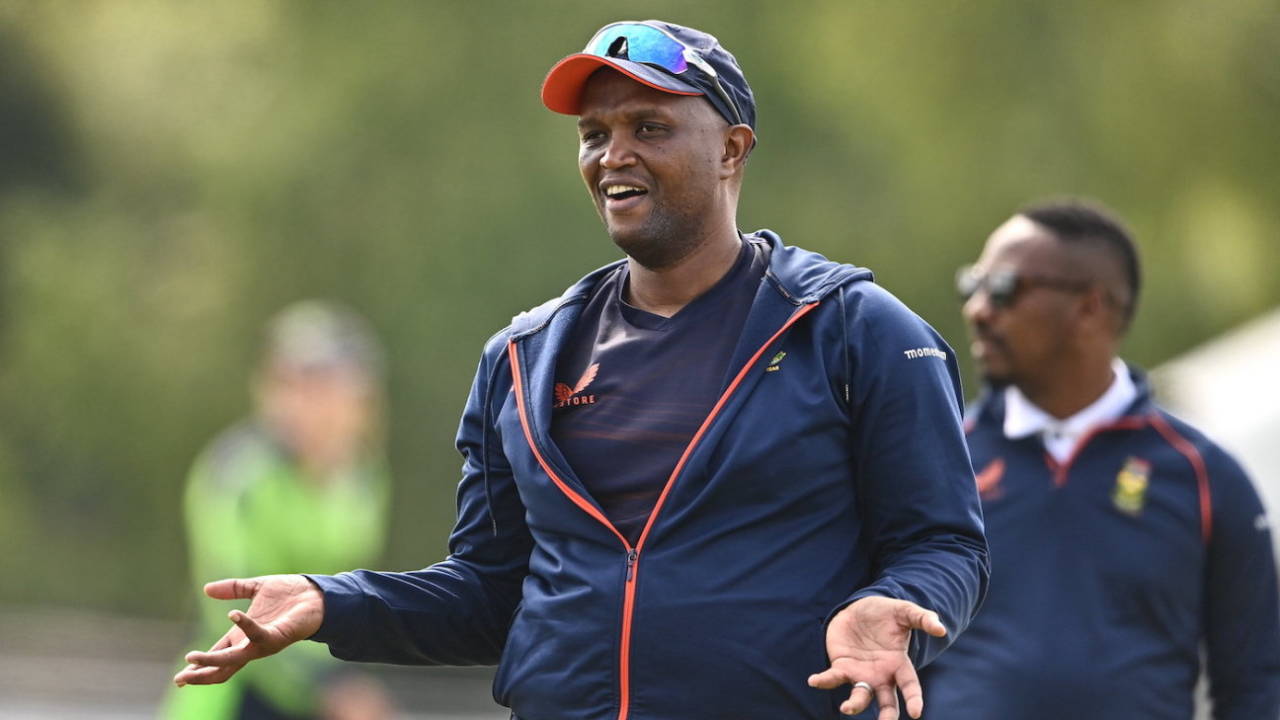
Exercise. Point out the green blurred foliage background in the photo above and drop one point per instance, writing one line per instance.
(173, 173)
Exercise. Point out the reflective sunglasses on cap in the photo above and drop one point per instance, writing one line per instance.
(1004, 286)
(647, 44)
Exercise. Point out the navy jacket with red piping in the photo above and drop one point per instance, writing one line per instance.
(1112, 569)
(841, 474)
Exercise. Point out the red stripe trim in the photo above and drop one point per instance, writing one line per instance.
(1052, 463)
(563, 85)
(624, 652)
(1060, 470)
(629, 597)
(577, 499)
(724, 398)
(1188, 450)
(624, 671)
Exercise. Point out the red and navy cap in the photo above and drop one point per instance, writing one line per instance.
(708, 63)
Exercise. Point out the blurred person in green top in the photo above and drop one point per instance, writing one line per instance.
(299, 486)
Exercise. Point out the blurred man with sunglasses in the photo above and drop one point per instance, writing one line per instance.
(720, 478)
(1121, 539)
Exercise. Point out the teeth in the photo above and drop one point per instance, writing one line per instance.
(619, 189)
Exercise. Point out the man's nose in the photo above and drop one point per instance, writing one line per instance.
(978, 308)
(618, 153)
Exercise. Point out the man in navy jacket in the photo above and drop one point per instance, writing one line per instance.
(721, 478)
(1122, 539)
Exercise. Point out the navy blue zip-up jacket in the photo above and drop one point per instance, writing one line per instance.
(1111, 570)
(841, 474)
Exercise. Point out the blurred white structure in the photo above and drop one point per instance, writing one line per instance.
(1229, 388)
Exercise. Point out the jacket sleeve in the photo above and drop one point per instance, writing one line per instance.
(1241, 608)
(458, 611)
(920, 508)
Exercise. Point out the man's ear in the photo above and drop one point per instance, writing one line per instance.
(1097, 310)
(738, 142)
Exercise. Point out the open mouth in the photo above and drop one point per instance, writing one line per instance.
(984, 346)
(624, 192)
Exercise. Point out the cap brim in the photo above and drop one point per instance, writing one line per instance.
(562, 90)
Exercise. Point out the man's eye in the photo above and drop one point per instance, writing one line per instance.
(591, 137)
(650, 129)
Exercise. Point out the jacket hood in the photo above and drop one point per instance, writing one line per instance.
(805, 276)
(801, 276)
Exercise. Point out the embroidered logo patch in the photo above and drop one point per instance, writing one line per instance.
(774, 364)
(1130, 492)
(572, 396)
(989, 480)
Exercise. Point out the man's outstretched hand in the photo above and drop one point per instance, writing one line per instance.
(283, 610)
(867, 642)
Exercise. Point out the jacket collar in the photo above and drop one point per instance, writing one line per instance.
(1023, 418)
(804, 276)
(990, 407)
(799, 275)
(794, 278)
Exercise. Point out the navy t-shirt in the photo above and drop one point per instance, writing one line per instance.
(633, 387)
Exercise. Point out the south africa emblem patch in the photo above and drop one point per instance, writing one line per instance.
(1130, 492)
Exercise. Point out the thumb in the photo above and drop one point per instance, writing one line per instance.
(827, 679)
(233, 589)
(916, 617)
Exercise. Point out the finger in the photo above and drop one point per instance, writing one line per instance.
(828, 679)
(888, 699)
(250, 627)
(192, 674)
(858, 701)
(909, 685)
(233, 588)
(180, 678)
(203, 675)
(238, 654)
(213, 675)
(228, 640)
(932, 624)
(914, 616)
(231, 639)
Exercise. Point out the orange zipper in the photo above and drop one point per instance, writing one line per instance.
(633, 553)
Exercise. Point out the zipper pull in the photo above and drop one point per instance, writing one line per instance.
(631, 564)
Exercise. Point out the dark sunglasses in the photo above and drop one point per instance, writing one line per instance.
(1004, 286)
(647, 44)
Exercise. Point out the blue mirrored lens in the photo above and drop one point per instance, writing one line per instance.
(639, 43)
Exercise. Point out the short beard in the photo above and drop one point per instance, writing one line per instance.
(663, 241)
(997, 382)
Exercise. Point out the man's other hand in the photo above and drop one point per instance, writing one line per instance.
(867, 643)
(283, 610)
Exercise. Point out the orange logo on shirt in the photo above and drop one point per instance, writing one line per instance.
(571, 396)
(989, 480)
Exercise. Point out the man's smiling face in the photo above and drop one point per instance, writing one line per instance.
(652, 163)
